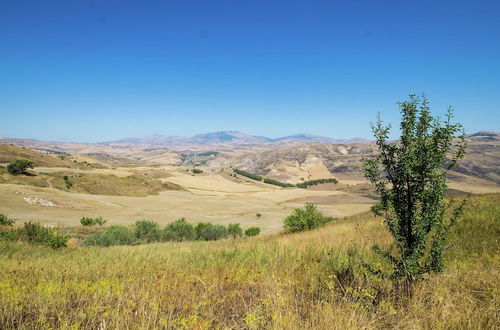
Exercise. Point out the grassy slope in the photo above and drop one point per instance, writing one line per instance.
(305, 280)
(10, 153)
(91, 183)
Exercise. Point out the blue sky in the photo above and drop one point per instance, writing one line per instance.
(104, 69)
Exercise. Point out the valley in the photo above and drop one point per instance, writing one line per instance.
(153, 179)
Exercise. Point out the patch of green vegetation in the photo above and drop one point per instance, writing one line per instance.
(147, 231)
(34, 233)
(5, 220)
(278, 183)
(305, 219)
(87, 221)
(252, 231)
(248, 174)
(306, 184)
(196, 171)
(19, 166)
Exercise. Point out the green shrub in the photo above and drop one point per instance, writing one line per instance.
(113, 235)
(147, 231)
(252, 231)
(234, 230)
(258, 215)
(196, 171)
(34, 233)
(179, 230)
(304, 219)
(209, 232)
(68, 183)
(19, 166)
(5, 220)
(86, 221)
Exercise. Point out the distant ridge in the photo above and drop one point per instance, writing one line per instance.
(217, 138)
(230, 137)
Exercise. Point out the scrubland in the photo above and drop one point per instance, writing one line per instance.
(312, 279)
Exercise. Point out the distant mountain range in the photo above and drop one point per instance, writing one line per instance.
(228, 137)
(223, 138)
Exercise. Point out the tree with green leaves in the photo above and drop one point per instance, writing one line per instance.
(19, 166)
(234, 230)
(410, 177)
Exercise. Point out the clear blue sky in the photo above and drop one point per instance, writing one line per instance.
(94, 70)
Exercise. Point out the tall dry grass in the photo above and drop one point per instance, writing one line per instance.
(311, 280)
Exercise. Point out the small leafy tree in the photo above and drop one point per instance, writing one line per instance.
(234, 230)
(252, 231)
(179, 230)
(147, 231)
(410, 176)
(19, 166)
(206, 231)
(304, 219)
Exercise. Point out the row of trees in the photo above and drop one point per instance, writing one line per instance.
(146, 231)
(304, 184)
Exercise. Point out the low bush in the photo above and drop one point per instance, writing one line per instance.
(5, 220)
(34, 233)
(68, 183)
(113, 235)
(252, 231)
(304, 219)
(87, 221)
(234, 230)
(206, 231)
(196, 171)
(179, 230)
(146, 231)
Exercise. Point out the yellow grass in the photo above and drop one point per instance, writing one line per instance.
(311, 280)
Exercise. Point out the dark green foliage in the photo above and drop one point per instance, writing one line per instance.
(234, 230)
(86, 221)
(113, 235)
(258, 215)
(304, 219)
(306, 184)
(5, 220)
(179, 230)
(19, 166)
(210, 232)
(68, 183)
(277, 183)
(146, 231)
(248, 175)
(252, 231)
(410, 176)
(34, 233)
(196, 171)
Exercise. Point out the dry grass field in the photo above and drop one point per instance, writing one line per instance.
(310, 280)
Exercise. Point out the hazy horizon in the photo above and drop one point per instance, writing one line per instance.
(93, 71)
